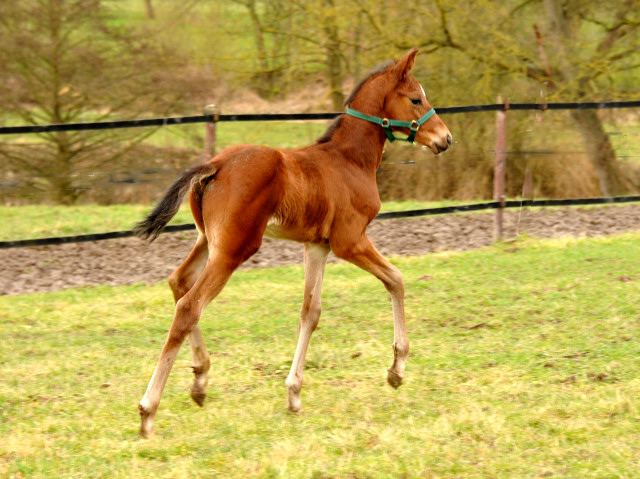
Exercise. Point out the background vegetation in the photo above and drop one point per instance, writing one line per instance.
(82, 60)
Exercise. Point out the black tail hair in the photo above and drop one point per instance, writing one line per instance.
(156, 220)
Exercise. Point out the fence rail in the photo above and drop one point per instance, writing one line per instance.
(214, 117)
(493, 205)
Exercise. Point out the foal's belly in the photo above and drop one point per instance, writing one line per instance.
(302, 235)
(275, 230)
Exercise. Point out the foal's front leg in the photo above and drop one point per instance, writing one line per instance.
(364, 255)
(315, 260)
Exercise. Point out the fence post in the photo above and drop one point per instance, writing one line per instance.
(527, 186)
(210, 131)
(499, 169)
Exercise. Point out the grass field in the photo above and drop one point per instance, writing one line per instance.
(43, 221)
(281, 134)
(524, 364)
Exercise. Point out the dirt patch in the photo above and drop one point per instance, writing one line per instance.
(129, 261)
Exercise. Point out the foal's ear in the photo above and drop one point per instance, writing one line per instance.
(405, 64)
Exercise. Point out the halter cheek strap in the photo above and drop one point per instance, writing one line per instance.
(387, 124)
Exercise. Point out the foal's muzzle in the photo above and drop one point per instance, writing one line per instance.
(444, 145)
(441, 142)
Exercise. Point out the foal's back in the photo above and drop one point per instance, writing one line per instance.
(288, 194)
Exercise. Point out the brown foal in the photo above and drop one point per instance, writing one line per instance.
(323, 195)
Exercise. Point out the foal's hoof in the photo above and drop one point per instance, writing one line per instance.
(294, 402)
(295, 406)
(394, 379)
(198, 397)
(146, 423)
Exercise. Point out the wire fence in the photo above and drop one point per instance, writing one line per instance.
(214, 117)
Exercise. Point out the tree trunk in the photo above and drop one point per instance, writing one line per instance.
(335, 80)
(601, 153)
(265, 85)
(334, 63)
(151, 14)
(61, 181)
(596, 140)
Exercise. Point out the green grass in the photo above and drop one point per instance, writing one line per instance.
(41, 221)
(524, 364)
(281, 134)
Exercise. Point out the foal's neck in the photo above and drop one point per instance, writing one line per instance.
(359, 141)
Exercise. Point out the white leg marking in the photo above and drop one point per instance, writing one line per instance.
(315, 260)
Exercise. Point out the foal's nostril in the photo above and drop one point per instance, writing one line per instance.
(443, 146)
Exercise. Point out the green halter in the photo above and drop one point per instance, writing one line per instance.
(387, 124)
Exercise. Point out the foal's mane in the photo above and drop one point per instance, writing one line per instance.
(383, 67)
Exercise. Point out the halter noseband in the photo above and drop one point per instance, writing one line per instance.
(386, 124)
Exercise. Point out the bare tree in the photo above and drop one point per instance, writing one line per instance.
(66, 61)
(302, 35)
(272, 48)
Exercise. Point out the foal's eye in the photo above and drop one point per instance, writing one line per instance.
(416, 101)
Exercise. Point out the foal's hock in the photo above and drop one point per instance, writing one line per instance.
(323, 195)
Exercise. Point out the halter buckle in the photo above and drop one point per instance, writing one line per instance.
(385, 123)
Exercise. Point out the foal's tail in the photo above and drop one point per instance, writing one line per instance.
(154, 223)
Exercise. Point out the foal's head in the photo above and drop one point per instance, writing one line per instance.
(391, 92)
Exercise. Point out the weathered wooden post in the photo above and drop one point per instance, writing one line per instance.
(210, 131)
(499, 169)
(527, 185)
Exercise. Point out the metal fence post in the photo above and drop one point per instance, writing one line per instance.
(210, 131)
(499, 169)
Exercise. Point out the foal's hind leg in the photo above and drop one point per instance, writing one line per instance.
(315, 259)
(181, 281)
(188, 311)
(364, 255)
